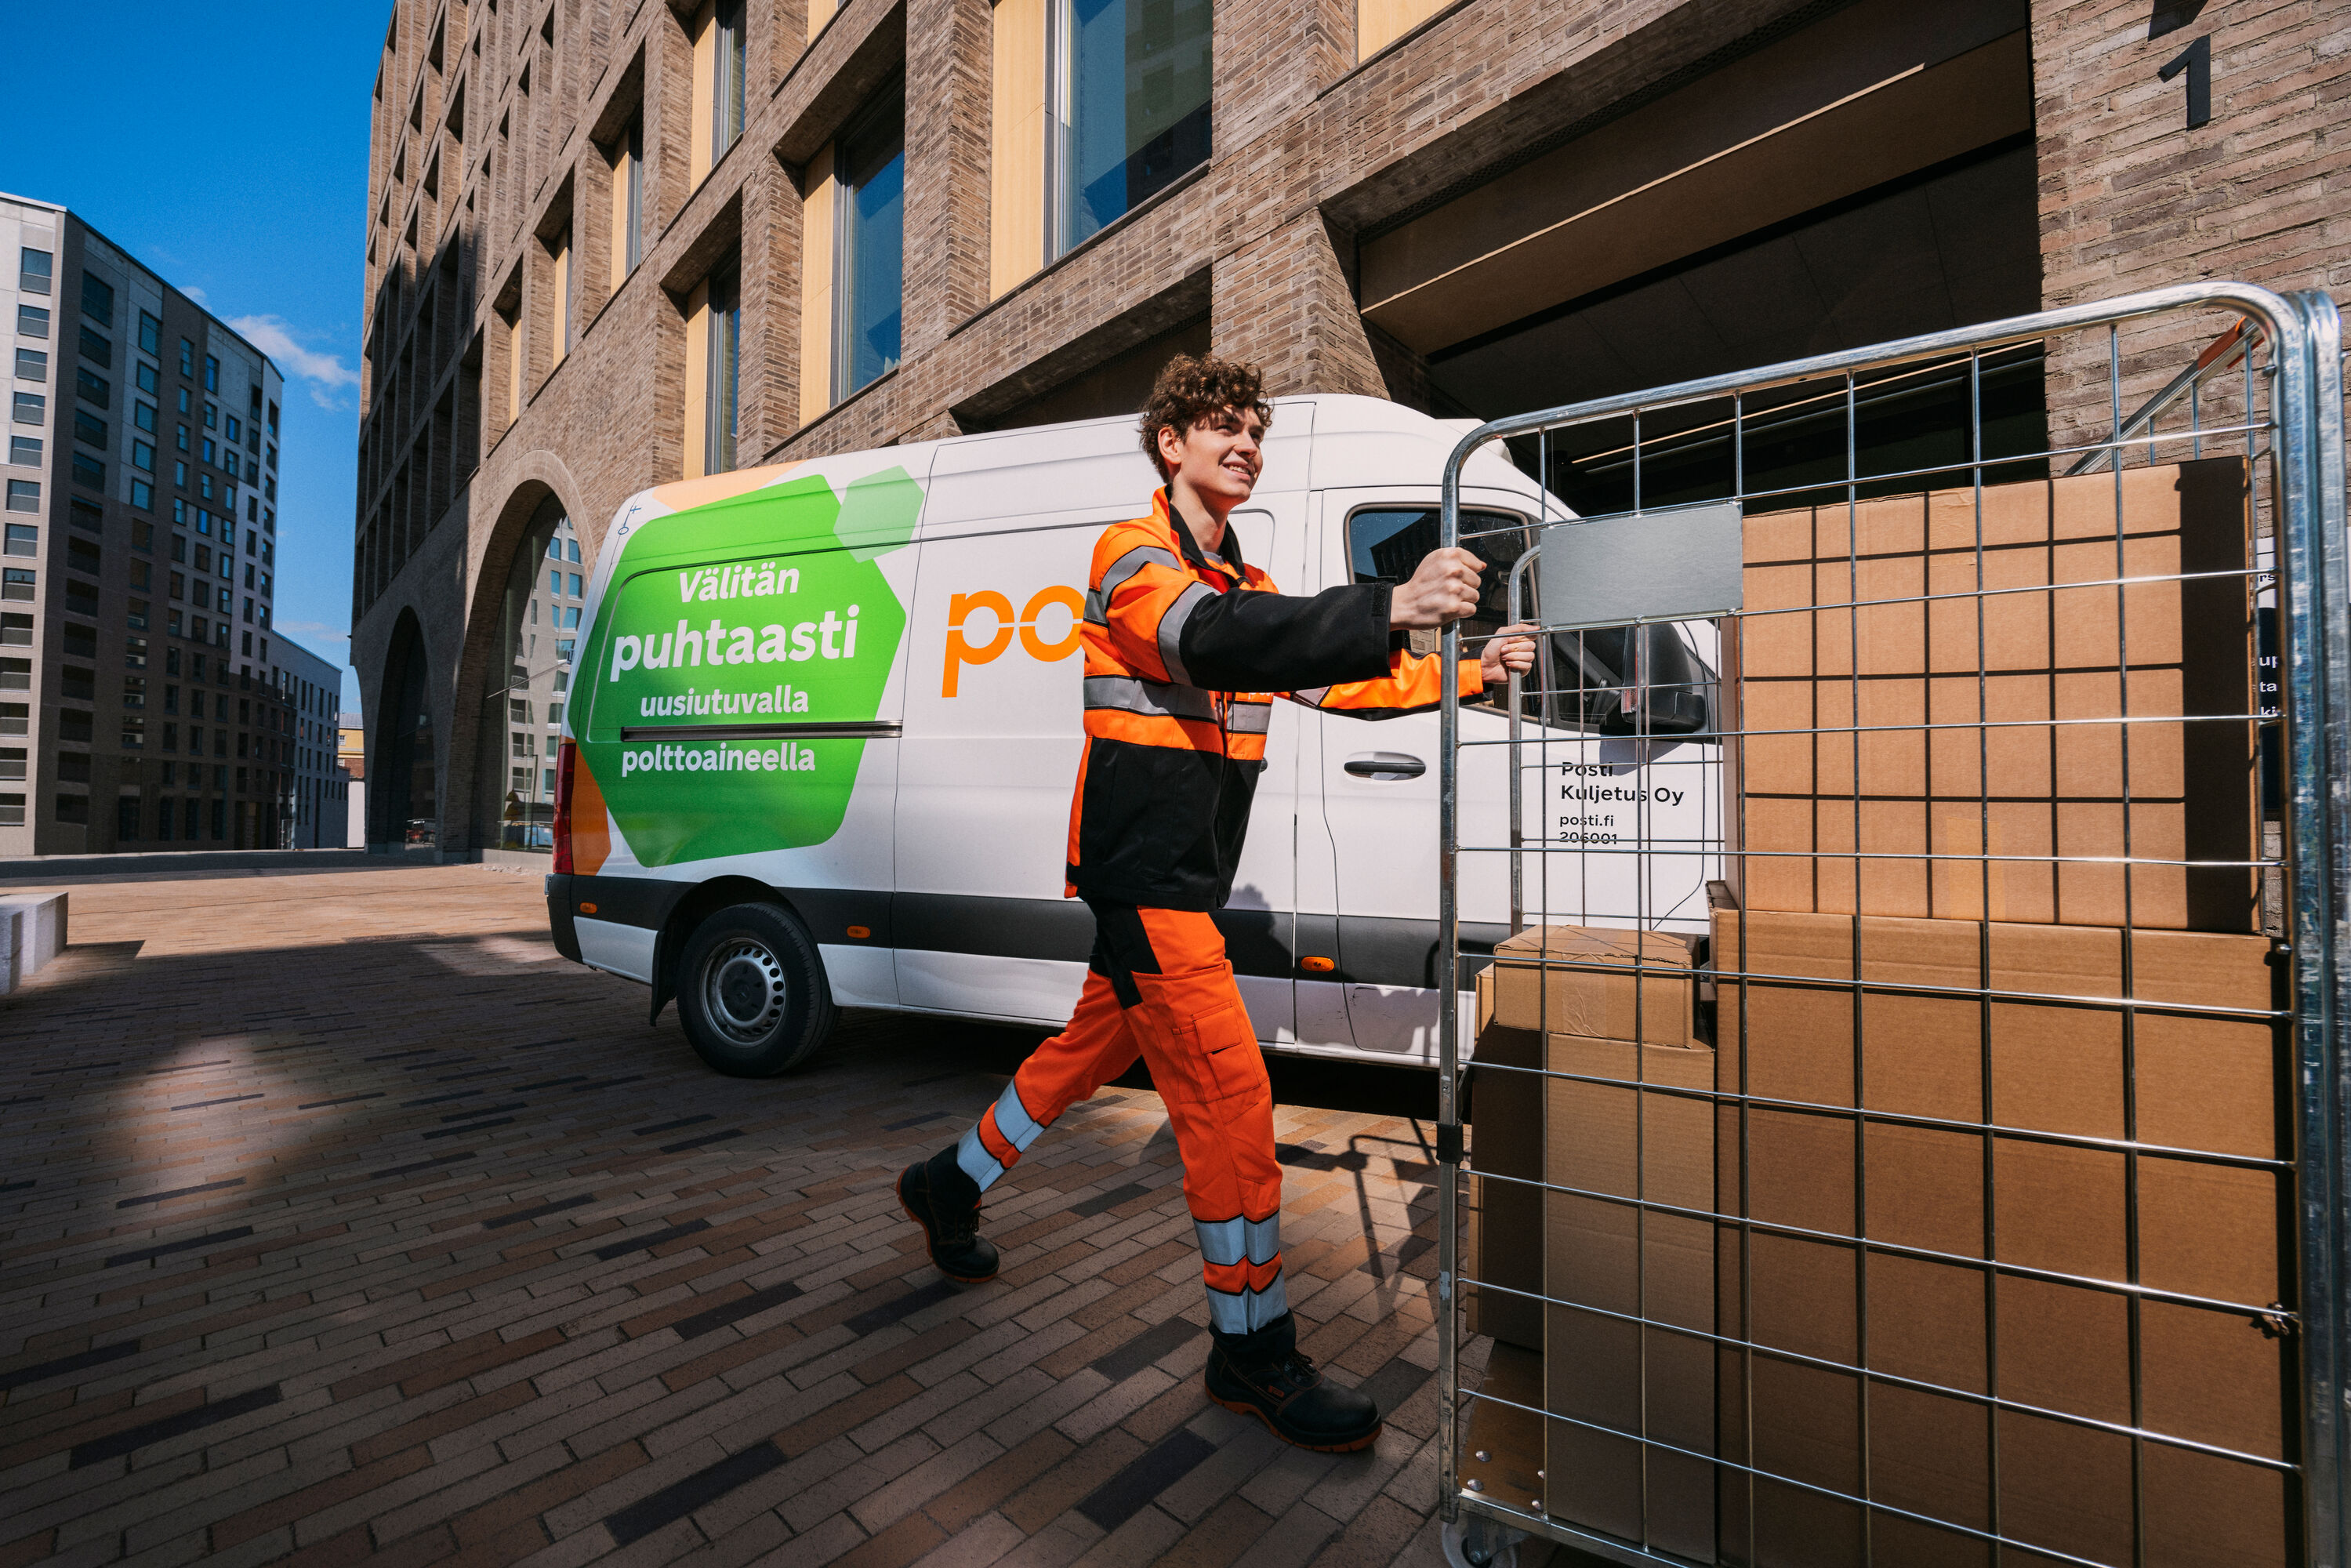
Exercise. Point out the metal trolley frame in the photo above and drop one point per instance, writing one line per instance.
(2270, 389)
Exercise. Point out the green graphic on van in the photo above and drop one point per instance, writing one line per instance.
(778, 616)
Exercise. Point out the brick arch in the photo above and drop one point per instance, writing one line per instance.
(534, 480)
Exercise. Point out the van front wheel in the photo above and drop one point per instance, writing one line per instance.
(752, 992)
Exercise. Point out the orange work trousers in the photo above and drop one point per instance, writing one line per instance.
(1159, 987)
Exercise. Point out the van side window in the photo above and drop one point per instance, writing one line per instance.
(1386, 544)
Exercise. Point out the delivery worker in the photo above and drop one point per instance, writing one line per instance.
(1186, 644)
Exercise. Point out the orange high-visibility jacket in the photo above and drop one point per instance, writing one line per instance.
(1185, 651)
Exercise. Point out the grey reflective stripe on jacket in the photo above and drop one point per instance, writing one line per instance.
(1150, 698)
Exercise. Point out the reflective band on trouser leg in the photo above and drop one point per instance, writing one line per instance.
(1196, 1034)
(1095, 1048)
(1241, 1265)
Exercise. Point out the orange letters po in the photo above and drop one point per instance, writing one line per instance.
(961, 652)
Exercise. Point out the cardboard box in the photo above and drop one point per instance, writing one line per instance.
(1614, 1131)
(1855, 1039)
(1504, 1218)
(1981, 699)
(1592, 981)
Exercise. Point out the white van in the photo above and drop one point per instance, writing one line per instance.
(823, 729)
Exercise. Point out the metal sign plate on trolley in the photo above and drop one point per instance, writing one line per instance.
(1676, 565)
(1909, 1104)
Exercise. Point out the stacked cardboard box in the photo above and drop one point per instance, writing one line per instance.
(1981, 700)
(1861, 1020)
(1981, 659)
(1919, 1068)
(1610, 1015)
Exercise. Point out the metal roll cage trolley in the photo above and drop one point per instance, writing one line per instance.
(2268, 394)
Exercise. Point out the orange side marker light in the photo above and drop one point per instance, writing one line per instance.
(587, 909)
(861, 932)
(1318, 966)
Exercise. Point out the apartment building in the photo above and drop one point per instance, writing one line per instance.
(314, 689)
(611, 243)
(143, 695)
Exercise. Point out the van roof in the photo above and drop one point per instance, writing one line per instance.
(1356, 440)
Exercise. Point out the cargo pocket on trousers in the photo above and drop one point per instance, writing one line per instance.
(1222, 1045)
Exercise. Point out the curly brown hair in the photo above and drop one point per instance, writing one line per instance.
(1193, 388)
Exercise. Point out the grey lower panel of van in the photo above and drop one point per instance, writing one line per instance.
(1271, 944)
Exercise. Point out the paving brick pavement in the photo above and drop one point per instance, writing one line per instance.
(345, 1220)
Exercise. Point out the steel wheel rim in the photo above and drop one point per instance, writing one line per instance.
(744, 991)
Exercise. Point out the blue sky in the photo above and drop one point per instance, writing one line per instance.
(226, 146)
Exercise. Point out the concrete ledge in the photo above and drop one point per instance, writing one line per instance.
(34, 932)
(184, 862)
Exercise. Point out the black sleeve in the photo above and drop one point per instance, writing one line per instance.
(1243, 642)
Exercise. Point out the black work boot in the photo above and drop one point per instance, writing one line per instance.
(1263, 1374)
(938, 1194)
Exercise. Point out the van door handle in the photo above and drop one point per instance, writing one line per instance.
(1386, 765)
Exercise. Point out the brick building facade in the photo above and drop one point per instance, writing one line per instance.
(1475, 208)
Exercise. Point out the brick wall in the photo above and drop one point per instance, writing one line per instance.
(2131, 198)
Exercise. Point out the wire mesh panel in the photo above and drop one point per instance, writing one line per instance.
(1904, 1123)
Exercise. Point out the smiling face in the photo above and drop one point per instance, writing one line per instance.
(1219, 459)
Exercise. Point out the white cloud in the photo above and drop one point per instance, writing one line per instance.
(325, 372)
(196, 294)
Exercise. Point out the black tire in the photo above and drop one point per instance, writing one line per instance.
(752, 993)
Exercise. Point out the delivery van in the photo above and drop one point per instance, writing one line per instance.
(823, 728)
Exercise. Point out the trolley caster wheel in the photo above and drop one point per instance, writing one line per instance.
(1474, 1540)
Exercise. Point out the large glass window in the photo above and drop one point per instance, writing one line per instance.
(1131, 88)
(871, 164)
(722, 393)
(33, 271)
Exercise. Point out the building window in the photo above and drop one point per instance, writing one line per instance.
(25, 451)
(31, 321)
(628, 209)
(93, 387)
(72, 807)
(97, 299)
(723, 399)
(187, 367)
(32, 365)
(143, 416)
(212, 380)
(33, 271)
(142, 494)
(16, 675)
(143, 456)
(149, 380)
(29, 408)
(718, 60)
(12, 762)
(97, 347)
(88, 470)
(565, 300)
(871, 163)
(24, 496)
(150, 333)
(1128, 84)
(11, 811)
(89, 429)
(16, 581)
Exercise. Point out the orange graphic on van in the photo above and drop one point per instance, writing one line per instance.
(1028, 625)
